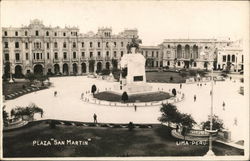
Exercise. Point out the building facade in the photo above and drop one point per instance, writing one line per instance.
(40, 49)
(37, 48)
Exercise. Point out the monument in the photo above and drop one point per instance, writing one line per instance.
(133, 75)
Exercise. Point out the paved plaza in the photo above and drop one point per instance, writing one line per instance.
(67, 105)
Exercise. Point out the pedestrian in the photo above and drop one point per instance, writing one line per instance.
(55, 93)
(95, 118)
(230, 78)
(210, 92)
(82, 96)
(223, 105)
(135, 108)
(180, 86)
(235, 121)
(177, 128)
(194, 98)
(201, 84)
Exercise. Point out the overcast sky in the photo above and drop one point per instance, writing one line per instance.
(155, 20)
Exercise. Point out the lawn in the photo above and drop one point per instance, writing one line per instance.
(165, 77)
(113, 97)
(105, 142)
(10, 88)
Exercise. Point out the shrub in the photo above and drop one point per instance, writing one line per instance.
(52, 124)
(105, 72)
(131, 126)
(174, 91)
(93, 89)
(217, 124)
(124, 96)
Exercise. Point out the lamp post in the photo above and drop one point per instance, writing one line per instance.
(211, 131)
(11, 79)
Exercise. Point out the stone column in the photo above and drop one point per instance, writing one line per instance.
(87, 67)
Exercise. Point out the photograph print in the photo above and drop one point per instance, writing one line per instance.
(166, 80)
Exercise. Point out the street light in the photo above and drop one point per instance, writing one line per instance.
(211, 131)
(11, 79)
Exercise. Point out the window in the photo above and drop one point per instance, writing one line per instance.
(121, 44)
(27, 56)
(47, 45)
(83, 54)
(55, 44)
(74, 44)
(146, 53)
(90, 44)
(37, 56)
(205, 47)
(47, 55)
(55, 33)
(224, 58)
(114, 53)
(157, 55)
(47, 33)
(168, 46)
(179, 63)
(64, 45)
(115, 44)
(107, 44)
(74, 55)
(17, 56)
(121, 53)
(41, 55)
(152, 53)
(34, 55)
(64, 34)
(16, 44)
(99, 53)
(91, 54)
(242, 58)
(5, 33)
(233, 58)
(6, 57)
(82, 44)
(16, 33)
(228, 58)
(6, 45)
(195, 64)
(107, 53)
(64, 55)
(37, 33)
(26, 33)
(26, 45)
(56, 55)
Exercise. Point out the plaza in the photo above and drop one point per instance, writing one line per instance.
(67, 105)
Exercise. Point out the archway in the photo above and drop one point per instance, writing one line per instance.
(179, 51)
(18, 72)
(65, 69)
(195, 51)
(75, 68)
(38, 69)
(187, 52)
(99, 67)
(56, 68)
(83, 65)
(91, 66)
(107, 65)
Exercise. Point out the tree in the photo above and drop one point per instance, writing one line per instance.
(105, 72)
(116, 73)
(228, 67)
(174, 91)
(29, 111)
(187, 120)
(217, 124)
(30, 76)
(169, 114)
(93, 89)
(5, 117)
(131, 126)
(124, 96)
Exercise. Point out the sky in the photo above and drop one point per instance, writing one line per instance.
(155, 20)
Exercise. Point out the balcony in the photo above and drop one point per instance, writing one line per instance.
(92, 58)
(74, 59)
(56, 60)
(38, 61)
(107, 58)
(84, 58)
(65, 59)
(99, 58)
(18, 61)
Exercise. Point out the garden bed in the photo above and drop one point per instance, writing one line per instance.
(150, 97)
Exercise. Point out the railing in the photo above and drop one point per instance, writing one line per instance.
(56, 60)
(38, 60)
(18, 61)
